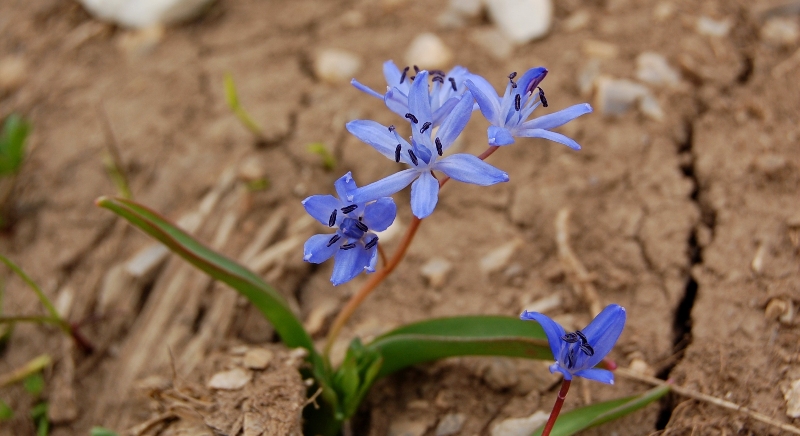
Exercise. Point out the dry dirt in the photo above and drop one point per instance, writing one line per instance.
(691, 223)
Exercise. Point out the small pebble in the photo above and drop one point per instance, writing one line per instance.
(641, 367)
(792, 397)
(435, 271)
(617, 96)
(428, 51)
(450, 424)
(770, 164)
(467, 8)
(141, 14)
(500, 257)
(716, 28)
(13, 71)
(501, 373)
(520, 426)
(780, 310)
(663, 11)
(353, 19)
(492, 41)
(780, 31)
(600, 49)
(257, 358)
(407, 428)
(522, 20)
(546, 304)
(230, 380)
(577, 21)
(142, 42)
(251, 169)
(336, 66)
(587, 77)
(654, 69)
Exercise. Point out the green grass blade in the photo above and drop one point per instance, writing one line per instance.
(593, 415)
(12, 143)
(460, 336)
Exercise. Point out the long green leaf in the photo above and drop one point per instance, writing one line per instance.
(460, 336)
(263, 296)
(599, 413)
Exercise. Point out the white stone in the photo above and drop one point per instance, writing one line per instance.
(467, 8)
(435, 271)
(407, 428)
(576, 21)
(546, 304)
(145, 13)
(792, 397)
(520, 426)
(780, 31)
(429, 52)
(522, 20)
(617, 96)
(230, 380)
(450, 424)
(710, 27)
(500, 257)
(654, 69)
(493, 41)
(13, 70)
(257, 358)
(600, 49)
(336, 66)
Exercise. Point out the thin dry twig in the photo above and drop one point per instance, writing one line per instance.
(573, 264)
(625, 372)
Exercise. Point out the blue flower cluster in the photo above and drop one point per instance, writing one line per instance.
(436, 106)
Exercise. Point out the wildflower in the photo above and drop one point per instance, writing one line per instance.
(423, 153)
(508, 114)
(354, 246)
(446, 91)
(577, 353)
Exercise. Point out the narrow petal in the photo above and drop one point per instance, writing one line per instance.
(553, 136)
(469, 169)
(499, 136)
(384, 187)
(531, 79)
(372, 253)
(317, 250)
(378, 216)
(424, 195)
(396, 101)
(485, 96)
(603, 332)
(365, 88)
(344, 186)
(601, 375)
(556, 367)
(391, 73)
(442, 111)
(454, 124)
(419, 105)
(321, 206)
(552, 330)
(557, 119)
(378, 136)
(349, 264)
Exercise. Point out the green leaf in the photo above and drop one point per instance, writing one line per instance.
(593, 415)
(39, 416)
(231, 96)
(34, 384)
(460, 336)
(100, 431)
(12, 144)
(328, 161)
(6, 412)
(355, 376)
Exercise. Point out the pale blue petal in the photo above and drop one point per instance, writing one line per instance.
(419, 105)
(350, 263)
(321, 206)
(485, 96)
(378, 216)
(601, 375)
(552, 136)
(424, 195)
(441, 112)
(384, 187)
(344, 186)
(531, 79)
(396, 101)
(604, 331)
(556, 367)
(499, 136)
(365, 88)
(552, 330)
(391, 73)
(469, 169)
(316, 249)
(455, 122)
(373, 253)
(378, 136)
(557, 119)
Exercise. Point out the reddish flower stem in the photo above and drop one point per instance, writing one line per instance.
(562, 394)
(378, 277)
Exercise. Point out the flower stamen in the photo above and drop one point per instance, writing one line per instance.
(403, 76)
(348, 209)
(349, 246)
(371, 243)
(413, 157)
(425, 127)
(411, 117)
(438, 145)
(541, 96)
(453, 83)
(333, 240)
(397, 153)
(363, 227)
(332, 219)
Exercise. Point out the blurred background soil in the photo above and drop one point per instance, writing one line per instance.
(683, 204)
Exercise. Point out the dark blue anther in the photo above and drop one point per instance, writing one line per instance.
(397, 153)
(517, 102)
(512, 75)
(438, 145)
(333, 240)
(403, 76)
(332, 219)
(425, 126)
(439, 79)
(453, 83)
(348, 209)
(361, 226)
(392, 128)
(413, 157)
(582, 336)
(416, 68)
(586, 348)
(570, 338)
(349, 246)
(570, 355)
(411, 117)
(371, 243)
(541, 97)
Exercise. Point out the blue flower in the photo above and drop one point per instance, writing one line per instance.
(508, 114)
(447, 90)
(423, 153)
(578, 353)
(354, 246)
